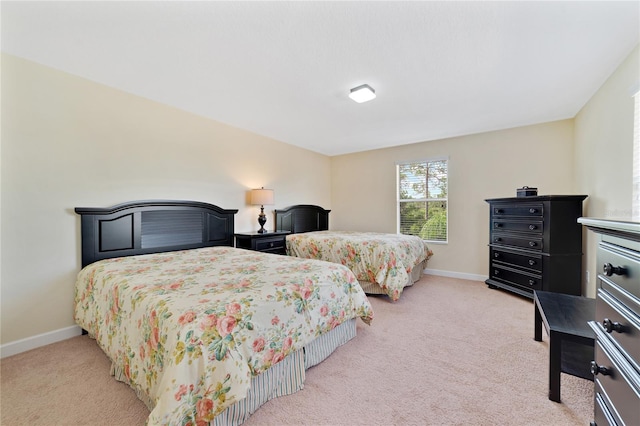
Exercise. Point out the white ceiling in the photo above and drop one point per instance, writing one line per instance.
(284, 69)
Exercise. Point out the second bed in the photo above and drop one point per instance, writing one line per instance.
(383, 263)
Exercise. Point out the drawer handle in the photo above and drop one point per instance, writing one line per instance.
(598, 369)
(497, 239)
(497, 211)
(532, 227)
(608, 269)
(532, 210)
(497, 225)
(532, 262)
(271, 244)
(532, 282)
(496, 255)
(496, 272)
(611, 326)
(532, 244)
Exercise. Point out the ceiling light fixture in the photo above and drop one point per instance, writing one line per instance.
(362, 93)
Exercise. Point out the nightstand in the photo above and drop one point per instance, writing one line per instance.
(268, 242)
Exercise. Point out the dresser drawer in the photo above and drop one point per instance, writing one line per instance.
(524, 260)
(530, 226)
(529, 243)
(617, 379)
(520, 209)
(621, 266)
(621, 325)
(603, 414)
(513, 276)
(266, 244)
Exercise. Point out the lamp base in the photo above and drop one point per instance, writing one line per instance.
(262, 219)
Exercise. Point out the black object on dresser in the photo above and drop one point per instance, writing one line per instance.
(616, 364)
(268, 242)
(536, 244)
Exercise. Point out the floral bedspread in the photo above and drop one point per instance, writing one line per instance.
(187, 330)
(386, 259)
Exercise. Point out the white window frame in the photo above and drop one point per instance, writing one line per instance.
(446, 199)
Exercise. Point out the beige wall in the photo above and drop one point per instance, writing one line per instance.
(590, 154)
(604, 152)
(481, 166)
(69, 142)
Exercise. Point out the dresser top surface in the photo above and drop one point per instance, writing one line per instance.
(539, 198)
(626, 228)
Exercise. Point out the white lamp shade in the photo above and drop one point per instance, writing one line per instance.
(261, 196)
(362, 93)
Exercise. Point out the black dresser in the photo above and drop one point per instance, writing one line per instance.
(616, 365)
(536, 244)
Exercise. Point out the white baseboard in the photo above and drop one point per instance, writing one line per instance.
(23, 345)
(451, 274)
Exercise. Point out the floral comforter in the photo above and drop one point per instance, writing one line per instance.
(188, 330)
(386, 259)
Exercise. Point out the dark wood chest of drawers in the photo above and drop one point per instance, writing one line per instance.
(616, 365)
(536, 244)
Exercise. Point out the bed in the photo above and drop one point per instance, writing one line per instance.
(204, 332)
(383, 263)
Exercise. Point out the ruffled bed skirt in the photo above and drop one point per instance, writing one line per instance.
(374, 288)
(283, 378)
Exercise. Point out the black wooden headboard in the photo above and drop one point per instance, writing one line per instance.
(302, 218)
(141, 227)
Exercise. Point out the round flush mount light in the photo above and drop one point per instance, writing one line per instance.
(362, 93)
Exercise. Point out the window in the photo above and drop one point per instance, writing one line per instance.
(422, 199)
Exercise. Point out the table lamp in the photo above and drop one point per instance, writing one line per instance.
(260, 197)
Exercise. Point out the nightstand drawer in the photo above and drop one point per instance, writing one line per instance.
(267, 242)
(274, 243)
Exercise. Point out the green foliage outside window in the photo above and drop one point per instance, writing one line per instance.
(423, 199)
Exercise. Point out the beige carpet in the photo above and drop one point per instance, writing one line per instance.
(450, 352)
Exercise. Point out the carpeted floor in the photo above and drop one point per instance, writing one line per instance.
(449, 352)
